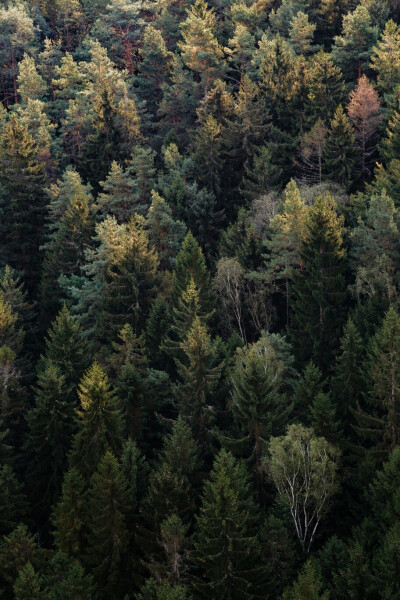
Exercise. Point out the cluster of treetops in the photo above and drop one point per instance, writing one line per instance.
(199, 300)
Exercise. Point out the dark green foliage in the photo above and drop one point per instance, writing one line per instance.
(226, 551)
(319, 288)
(51, 427)
(190, 203)
(22, 200)
(100, 423)
(107, 532)
(65, 579)
(339, 153)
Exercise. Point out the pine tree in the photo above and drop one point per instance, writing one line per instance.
(31, 85)
(353, 48)
(18, 36)
(100, 424)
(386, 59)
(319, 287)
(200, 49)
(226, 551)
(107, 535)
(339, 160)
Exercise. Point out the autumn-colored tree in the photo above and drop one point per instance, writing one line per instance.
(365, 114)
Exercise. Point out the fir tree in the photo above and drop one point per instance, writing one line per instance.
(107, 535)
(51, 427)
(165, 233)
(199, 371)
(190, 264)
(226, 551)
(27, 584)
(64, 578)
(22, 201)
(100, 424)
(339, 159)
(70, 515)
(378, 418)
(319, 288)
(287, 231)
(259, 405)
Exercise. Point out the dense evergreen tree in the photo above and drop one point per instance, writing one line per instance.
(227, 553)
(319, 288)
(100, 424)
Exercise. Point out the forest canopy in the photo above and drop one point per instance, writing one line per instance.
(199, 299)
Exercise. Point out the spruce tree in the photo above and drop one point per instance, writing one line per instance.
(22, 201)
(65, 348)
(319, 287)
(190, 264)
(199, 372)
(339, 153)
(71, 233)
(326, 88)
(27, 584)
(13, 505)
(65, 579)
(70, 515)
(170, 491)
(287, 231)
(378, 418)
(385, 59)
(308, 585)
(165, 233)
(100, 423)
(107, 535)
(376, 250)
(226, 550)
(259, 403)
(348, 382)
(51, 427)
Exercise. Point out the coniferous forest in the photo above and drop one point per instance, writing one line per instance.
(200, 299)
